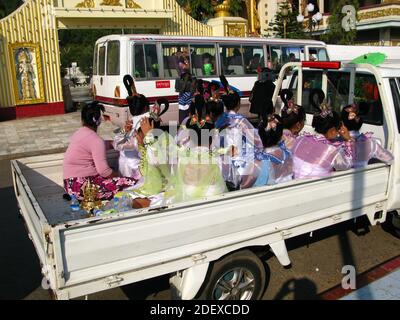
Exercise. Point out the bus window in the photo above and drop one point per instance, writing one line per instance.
(203, 59)
(276, 58)
(95, 60)
(113, 65)
(290, 54)
(253, 58)
(176, 59)
(139, 69)
(231, 60)
(152, 65)
(102, 60)
(317, 54)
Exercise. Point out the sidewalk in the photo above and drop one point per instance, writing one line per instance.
(379, 283)
(42, 135)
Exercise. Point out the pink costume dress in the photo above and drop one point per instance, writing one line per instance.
(315, 157)
(236, 130)
(365, 148)
(289, 138)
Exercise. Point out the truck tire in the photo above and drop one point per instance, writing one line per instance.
(238, 276)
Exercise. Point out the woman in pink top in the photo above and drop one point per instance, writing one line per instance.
(86, 159)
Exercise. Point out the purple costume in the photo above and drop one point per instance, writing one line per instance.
(365, 148)
(316, 157)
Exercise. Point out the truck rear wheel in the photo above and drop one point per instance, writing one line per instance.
(238, 276)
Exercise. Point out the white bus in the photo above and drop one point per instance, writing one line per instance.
(153, 62)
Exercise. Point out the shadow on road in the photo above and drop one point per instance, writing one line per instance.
(298, 289)
(19, 265)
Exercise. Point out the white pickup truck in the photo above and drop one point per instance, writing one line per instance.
(208, 247)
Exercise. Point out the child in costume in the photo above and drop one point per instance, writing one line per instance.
(293, 118)
(318, 155)
(276, 160)
(364, 146)
(197, 173)
(235, 130)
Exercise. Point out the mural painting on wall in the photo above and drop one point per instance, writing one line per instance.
(27, 73)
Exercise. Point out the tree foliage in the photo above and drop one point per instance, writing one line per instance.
(294, 29)
(335, 33)
(78, 46)
(7, 7)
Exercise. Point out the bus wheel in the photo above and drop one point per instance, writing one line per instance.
(238, 276)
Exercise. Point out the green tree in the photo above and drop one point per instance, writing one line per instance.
(294, 29)
(78, 46)
(7, 7)
(335, 33)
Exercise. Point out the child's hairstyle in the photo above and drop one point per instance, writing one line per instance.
(270, 130)
(291, 113)
(215, 109)
(91, 114)
(324, 118)
(350, 115)
(231, 100)
(138, 105)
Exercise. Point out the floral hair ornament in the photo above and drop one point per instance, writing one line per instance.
(326, 110)
(155, 112)
(353, 112)
(272, 123)
(290, 107)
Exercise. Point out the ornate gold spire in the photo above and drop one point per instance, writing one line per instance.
(221, 10)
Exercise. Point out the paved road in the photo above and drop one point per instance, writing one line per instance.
(317, 261)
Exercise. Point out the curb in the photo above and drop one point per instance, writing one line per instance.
(363, 279)
(14, 156)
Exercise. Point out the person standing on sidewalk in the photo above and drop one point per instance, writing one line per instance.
(66, 90)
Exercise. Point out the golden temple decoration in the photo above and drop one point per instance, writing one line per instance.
(85, 4)
(253, 17)
(111, 3)
(90, 200)
(235, 30)
(222, 10)
(379, 13)
(132, 5)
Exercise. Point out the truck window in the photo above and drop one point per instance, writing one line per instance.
(396, 100)
(102, 61)
(95, 60)
(366, 90)
(113, 58)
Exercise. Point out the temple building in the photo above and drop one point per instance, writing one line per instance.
(378, 20)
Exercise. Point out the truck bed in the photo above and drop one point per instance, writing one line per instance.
(140, 244)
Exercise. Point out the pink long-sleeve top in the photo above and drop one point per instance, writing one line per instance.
(86, 155)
